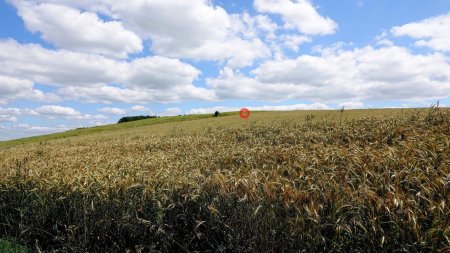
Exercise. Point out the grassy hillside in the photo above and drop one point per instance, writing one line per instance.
(314, 181)
(105, 128)
(159, 125)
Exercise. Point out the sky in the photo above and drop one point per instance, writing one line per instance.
(66, 64)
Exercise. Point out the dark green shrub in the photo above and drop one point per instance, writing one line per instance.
(134, 118)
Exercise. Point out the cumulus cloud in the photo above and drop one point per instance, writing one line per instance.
(160, 73)
(433, 32)
(7, 118)
(57, 67)
(90, 77)
(250, 88)
(68, 28)
(388, 73)
(313, 106)
(13, 113)
(210, 37)
(293, 42)
(12, 88)
(111, 94)
(112, 110)
(385, 42)
(18, 111)
(172, 111)
(263, 23)
(139, 108)
(10, 111)
(175, 28)
(299, 14)
(250, 26)
(56, 111)
(47, 111)
(351, 105)
(142, 109)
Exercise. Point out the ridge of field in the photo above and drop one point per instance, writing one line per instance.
(163, 125)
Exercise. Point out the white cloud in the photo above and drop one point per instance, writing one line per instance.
(210, 37)
(103, 94)
(7, 118)
(250, 27)
(293, 42)
(314, 106)
(194, 29)
(39, 65)
(143, 109)
(57, 111)
(385, 42)
(433, 32)
(139, 108)
(172, 111)
(300, 14)
(160, 73)
(112, 110)
(95, 117)
(351, 105)
(68, 28)
(11, 112)
(111, 94)
(231, 85)
(164, 80)
(264, 23)
(12, 88)
(88, 77)
(93, 5)
(388, 73)
(50, 112)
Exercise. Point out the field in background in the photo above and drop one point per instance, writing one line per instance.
(106, 128)
(358, 180)
(163, 124)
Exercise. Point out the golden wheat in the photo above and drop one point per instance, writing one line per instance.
(371, 184)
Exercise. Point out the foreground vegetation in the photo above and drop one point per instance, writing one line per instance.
(323, 181)
(11, 246)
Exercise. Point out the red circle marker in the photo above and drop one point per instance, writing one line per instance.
(244, 113)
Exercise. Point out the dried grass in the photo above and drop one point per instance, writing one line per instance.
(371, 184)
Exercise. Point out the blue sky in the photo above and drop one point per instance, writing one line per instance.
(66, 64)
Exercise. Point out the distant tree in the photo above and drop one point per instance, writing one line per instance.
(134, 118)
(216, 113)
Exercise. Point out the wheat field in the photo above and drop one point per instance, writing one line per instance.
(302, 181)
